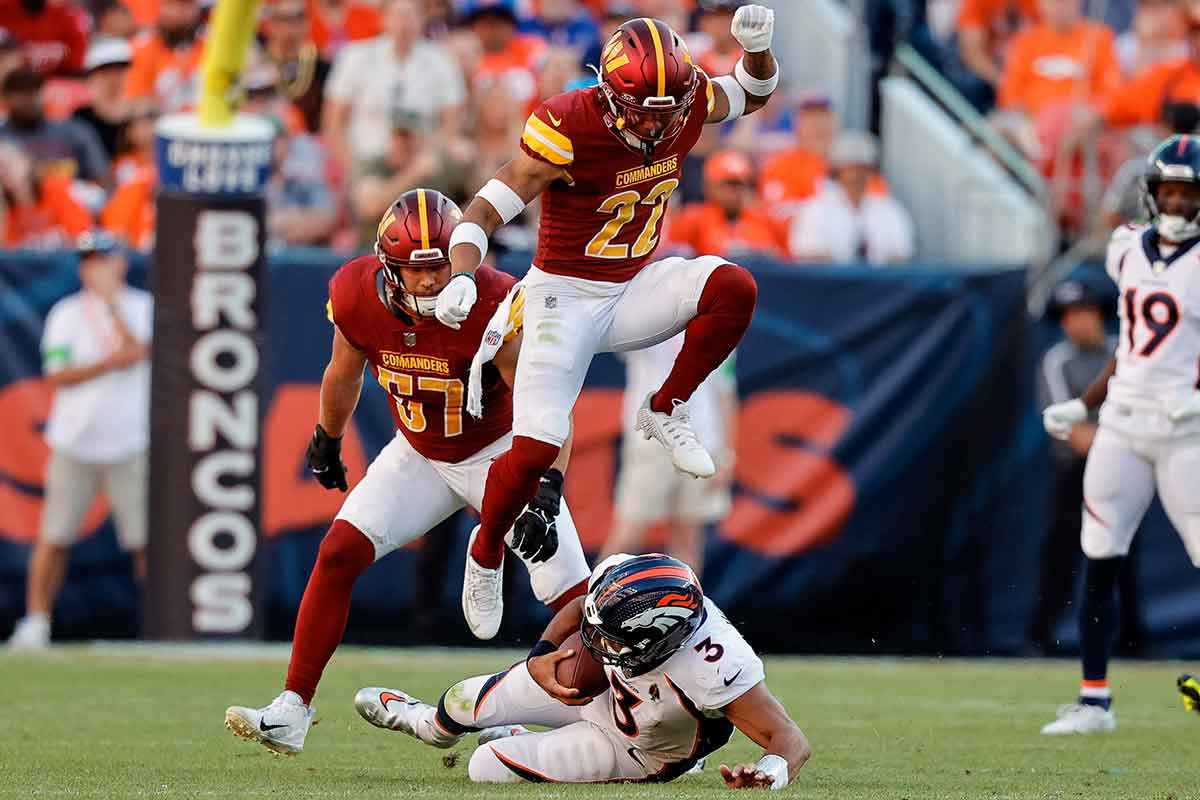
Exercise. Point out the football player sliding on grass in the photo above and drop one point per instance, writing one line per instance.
(678, 678)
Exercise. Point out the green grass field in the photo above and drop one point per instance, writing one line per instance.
(134, 722)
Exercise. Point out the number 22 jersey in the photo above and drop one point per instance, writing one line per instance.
(605, 222)
(1158, 354)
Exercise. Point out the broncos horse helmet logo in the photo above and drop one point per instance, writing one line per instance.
(663, 618)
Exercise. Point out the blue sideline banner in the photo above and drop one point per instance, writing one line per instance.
(891, 488)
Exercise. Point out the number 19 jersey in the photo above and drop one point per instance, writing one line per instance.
(1158, 354)
(605, 222)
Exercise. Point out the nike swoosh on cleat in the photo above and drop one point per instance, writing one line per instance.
(264, 727)
(387, 697)
(729, 681)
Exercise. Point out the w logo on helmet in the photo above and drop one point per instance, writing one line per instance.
(660, 618)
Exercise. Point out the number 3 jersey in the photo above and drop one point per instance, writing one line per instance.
(424, 367)
(671, 716)
(605, 223)
(1158, 354)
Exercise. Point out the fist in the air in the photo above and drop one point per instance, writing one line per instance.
(753, 26)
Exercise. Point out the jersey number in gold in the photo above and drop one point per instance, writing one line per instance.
(412, 412)
(623, 206)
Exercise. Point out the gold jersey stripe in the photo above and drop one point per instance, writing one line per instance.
(329, 310)
(658, 56)
(712, 101)
(516, 315)
(550, 134)
(423, 213)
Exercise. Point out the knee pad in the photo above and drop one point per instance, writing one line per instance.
(345, 548)
(486, 767)
(730, 287)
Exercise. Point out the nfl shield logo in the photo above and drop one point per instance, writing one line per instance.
(410, 338)
(492, 338)
(551, 302)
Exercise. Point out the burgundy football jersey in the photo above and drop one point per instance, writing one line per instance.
(605, 224)
(425, 366)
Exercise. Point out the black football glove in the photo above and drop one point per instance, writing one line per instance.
(325, 459)
(535, 534)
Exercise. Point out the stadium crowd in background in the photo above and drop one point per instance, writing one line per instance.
(371, 98)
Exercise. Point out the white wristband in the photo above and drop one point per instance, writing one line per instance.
(759, 87)
(469, 233)
(776, 768)
(508, 204)
(734, 93)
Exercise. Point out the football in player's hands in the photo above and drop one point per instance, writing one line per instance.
(581, 671)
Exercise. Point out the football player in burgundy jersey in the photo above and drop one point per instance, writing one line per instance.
(381, 307)
(605, 161)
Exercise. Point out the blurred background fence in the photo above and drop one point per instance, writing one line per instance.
(891, 492)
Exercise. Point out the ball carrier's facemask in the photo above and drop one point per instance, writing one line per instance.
(1176, 160)
(641, 611)
(415, 232)
(647, 84)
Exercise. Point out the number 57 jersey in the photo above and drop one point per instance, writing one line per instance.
(1158, 354)
(424, 366)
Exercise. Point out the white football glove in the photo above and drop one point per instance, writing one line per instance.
(753, 26)
(455, 301)
(1060, 418)
(1186, 410)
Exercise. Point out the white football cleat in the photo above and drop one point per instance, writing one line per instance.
(393, 710)
(31, 633)
(1077, 718)
(482, 595)
(280, 727)
(501, 732)
(674, 432)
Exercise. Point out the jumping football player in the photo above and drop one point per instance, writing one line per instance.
(680, 679)
(381, 307)
(605, 161)
(1149, 434)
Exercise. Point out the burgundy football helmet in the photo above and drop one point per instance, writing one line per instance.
(648, 82)
(415, 232)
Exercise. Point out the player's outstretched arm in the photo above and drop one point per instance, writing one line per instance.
(756, 75)
(497, 203)
(763, 719)
(340, 387)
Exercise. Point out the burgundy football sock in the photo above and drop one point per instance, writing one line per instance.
(512, 482)
(722, 316)
(559, 603)
(345, 553)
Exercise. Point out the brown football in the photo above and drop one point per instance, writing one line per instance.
(581, 671)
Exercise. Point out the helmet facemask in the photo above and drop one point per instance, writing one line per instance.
(422, 306)
(1184, 221)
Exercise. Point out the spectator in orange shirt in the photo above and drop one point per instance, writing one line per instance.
(1140, 101)
(791, 177)
(335, 23)
(53, 35)
(165, 62)
(37, 212)
(507, 56)
(1062, 60)
(726, 222)
(130, 211)
(984, 30)
(1156, 35)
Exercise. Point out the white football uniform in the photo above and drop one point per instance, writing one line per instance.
(650, 728)
(1138, 447)
(391, 519)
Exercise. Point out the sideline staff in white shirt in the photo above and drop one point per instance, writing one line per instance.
(845, 222)
(95, 350)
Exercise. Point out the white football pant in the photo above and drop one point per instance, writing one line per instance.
(404, 495)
